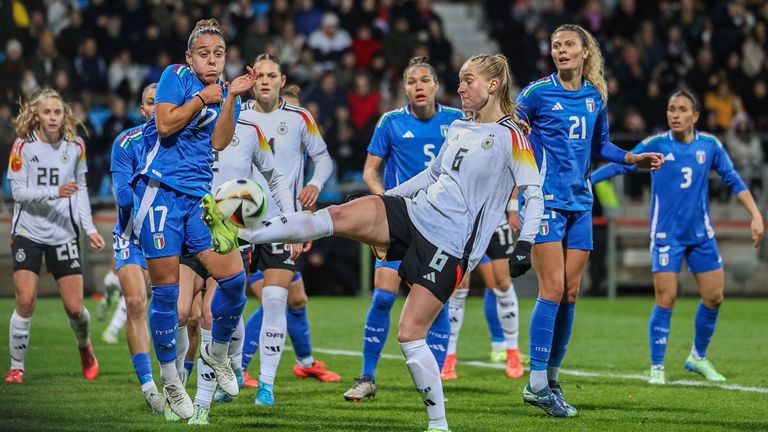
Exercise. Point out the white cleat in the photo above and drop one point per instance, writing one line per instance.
(179, 400)
(155, 399)
(109, 336)
(222, 368)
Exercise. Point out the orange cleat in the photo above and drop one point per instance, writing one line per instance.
(15, 376)
(317, 370)
(249, 380)
(449, 368)
(90, 364)
(514, 367)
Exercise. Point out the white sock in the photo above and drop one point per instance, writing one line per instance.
(456, 314)
(508, 312)
(426, 376)
(119, 317)
(306, 362)
(169, 373)
(498, 346)
(206, 379)
(273, 330)
(236, 345)
(538, 380)
(182, 346)
(82, 329)
(292, 228)
(18, 339)
(553, 373)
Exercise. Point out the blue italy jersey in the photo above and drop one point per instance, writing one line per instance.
(128, 151)
(408, 144)
(183, 160)
(680, 188)
(568, 127)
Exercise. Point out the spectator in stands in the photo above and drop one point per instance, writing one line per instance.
(279, 15)
(329, 41)
(257, 40)
(12, 72)
(753, 50)
(47, 60)
(652, 52)
(623, 21)
(329, 97)
(90, 67)
(308, 18)
(756, 104)
(700, 77)
(440, 49)
(235, 63)
(691, 22)
(723, 102)
(347, 69)
(72, 35)
(397, 45)
(420, 14)
(744, 148)
(363, 101)
(126, 76)
(289, 44)
(364, 46)
(63, 85)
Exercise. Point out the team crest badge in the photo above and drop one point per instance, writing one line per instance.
(159, 240)
(701, 156)
(282, 129)
(235, 141)
(20, 255)
(590, 105)
(544, 228)
(64, 158)
(663, 259)
(122, 254)
(443, 130)
(487, 142)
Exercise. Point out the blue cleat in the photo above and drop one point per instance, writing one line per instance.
(547, 401)
(558, 391)
(265, 396)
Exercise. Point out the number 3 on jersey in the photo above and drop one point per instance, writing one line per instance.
(687, 177)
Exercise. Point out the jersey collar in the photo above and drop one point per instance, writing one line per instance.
(672, 137)
(438, 108)
(556, 81)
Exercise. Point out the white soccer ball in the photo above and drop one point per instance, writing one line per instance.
(242, 201)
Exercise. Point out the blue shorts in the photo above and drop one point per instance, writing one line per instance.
(572, 228)
(127, 252)
(259, 275)
(484, 260)
(699, 258)
(394, 265)
(168, 221)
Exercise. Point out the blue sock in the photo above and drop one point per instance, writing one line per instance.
(542, 329)
(492, 316)
(658, 332)
(164, 321)
(705, 323)
(562, 333)
(227, 306)
(252, 332)
(143, 367)
(188, 365)
(298, 330)
(376, 329)
(438, 336)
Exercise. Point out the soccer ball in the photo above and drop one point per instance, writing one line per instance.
(242, 201)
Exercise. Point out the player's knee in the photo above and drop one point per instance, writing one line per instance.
(713, 300)
(297, 301)
(135, 307)
(73, 312)
(665, 301)
(25, 307)
(502, 283)
(335, 213)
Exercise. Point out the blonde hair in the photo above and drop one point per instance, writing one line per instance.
(26, 122)
(203, 27)
(497, 66)
(594, 70)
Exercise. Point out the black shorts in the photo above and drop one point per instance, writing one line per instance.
(421, 262)
(196, 266)
(501, 244)
(60, 260)
(273, 256)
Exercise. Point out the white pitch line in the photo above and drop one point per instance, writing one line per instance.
(635, 377)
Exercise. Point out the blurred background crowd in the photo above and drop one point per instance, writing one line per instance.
(348, 56)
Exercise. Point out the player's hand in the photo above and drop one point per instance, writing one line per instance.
(308, 195)
(524, 126)
(520, 261)
(97, 241)
(243, 83)
(757, 228)
(355, 195)
(648, 160)
(211, 94)
(296, 249)
(66, 190)
(513, 219)
(306, 247)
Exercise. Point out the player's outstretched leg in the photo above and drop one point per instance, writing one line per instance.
(223, 231)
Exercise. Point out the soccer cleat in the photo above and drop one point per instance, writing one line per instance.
(317, 370)
(155, 399)
(223, 231)
(547, 401)
(558, 391)
(169, 415)
(15, 376)
(249, 380)
(200, 417)
(438, 430)
(89, 362)
(222, 368)
(704, 368)
(449, 368)
(265, 396)
(364, 387)
(109, 336)
(514, 367)
(656, 375)
(222, 396)
(178, 400)
(104, 304)
(499, 356)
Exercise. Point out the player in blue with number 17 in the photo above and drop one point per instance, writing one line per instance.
(194, 112)
(681, 228)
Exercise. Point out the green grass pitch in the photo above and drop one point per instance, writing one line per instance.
(608, 352)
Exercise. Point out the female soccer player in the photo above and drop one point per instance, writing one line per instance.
(406, 141)
(47, 174)
(194, 112)
(128, 151)
(440, 221)
(680, 228)
(290, 131)
(569, 121)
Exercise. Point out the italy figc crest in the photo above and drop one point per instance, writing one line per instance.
(590, 105)
(701, 156)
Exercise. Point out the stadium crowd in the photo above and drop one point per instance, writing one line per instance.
(348, 57)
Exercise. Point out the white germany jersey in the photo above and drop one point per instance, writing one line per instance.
(247, 154)
(289, 131)
(476, 170)
(44, 167)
